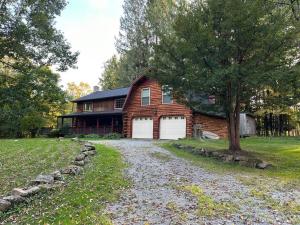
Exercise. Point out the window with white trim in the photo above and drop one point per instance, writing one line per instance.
(119, 103)
(167, 95)
(145, 96)
(88, 107)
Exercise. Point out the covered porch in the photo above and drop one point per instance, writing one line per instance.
(100, 123)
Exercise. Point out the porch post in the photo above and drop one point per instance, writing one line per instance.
(97, 125)
(84, 125)
(112, 124)
(57, 124)
(78, 125)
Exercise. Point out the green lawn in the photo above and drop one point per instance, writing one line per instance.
(282, 153)
(83, 200)
(22, 160)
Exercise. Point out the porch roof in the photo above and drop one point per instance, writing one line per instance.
(82, 114)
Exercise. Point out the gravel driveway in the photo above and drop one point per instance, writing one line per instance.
(159, 193)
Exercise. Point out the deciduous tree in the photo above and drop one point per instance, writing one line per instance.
(25, 96)
(28, 36)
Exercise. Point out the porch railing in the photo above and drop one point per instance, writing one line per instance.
(92, 130)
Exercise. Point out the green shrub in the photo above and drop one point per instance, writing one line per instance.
(65, 130)
(71, 136)
(92, 136)
(112, 136)
(53, 133)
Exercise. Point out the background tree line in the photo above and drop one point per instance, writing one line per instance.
(245, 53)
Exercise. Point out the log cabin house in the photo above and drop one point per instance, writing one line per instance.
(143, 110)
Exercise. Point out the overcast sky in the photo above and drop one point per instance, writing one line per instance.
(91, 27)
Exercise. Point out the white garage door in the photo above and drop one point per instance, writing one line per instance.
(172, 127)
(142, 127)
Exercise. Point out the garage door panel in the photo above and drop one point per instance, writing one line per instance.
(172, 127)
(142, 127)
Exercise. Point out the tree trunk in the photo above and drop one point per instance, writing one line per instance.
(233, 117)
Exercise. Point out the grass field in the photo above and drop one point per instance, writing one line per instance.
(82, 201)
(282, 153)
(21, 160)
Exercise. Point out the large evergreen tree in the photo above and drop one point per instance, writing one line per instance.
(110, 76)
(141, 23)
(134, 39)
(230, 49)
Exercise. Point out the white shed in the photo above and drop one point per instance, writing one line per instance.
(247, 125)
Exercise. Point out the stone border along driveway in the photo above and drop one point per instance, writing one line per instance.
(159, 193)
(49, 181)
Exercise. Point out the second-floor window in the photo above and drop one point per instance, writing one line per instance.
(119, 103)
(88, 107)
(166, 95)
(145, 96)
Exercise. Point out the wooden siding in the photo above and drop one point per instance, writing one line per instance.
(155, 110)
(212, 124)
(98, 105)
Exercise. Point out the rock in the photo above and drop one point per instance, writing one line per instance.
(250, 162)
(208, 153)
(57, 175)
(75, 139)
(263, 165)
(72, 170)
(188, 148)
(79, 163)
(202, 151)
(19, 192)
(90, 146)
(59, 183)
(61, 138)
(14, 199)
(179, 146)
(216, 154)
(33, 190)
(90, 153)
(210, 135)
(240, 158)
(25, 193)
(80, 157)
(4, 205)
(43, 179)
(84, 149)
(47, 186)
(86, 160)
(243, 163)
(197, 151)
(228, 158)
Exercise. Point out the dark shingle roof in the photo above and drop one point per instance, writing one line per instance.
(104, 94)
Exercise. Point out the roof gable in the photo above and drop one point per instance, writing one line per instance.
(134, 83)
(104, 94)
